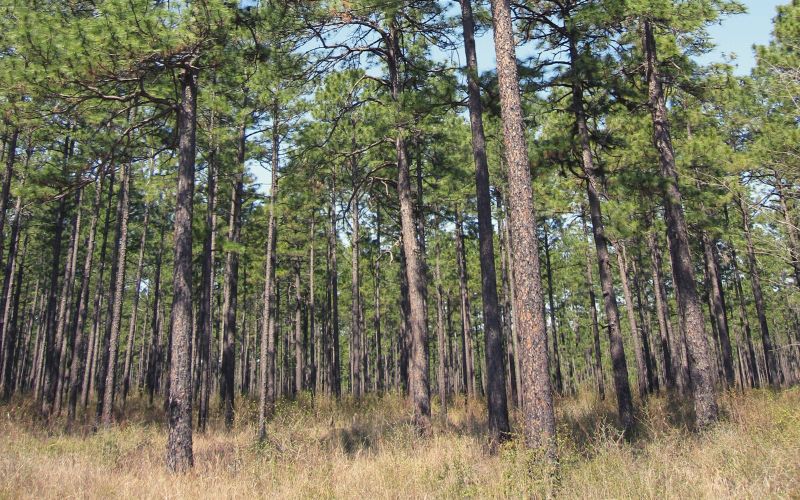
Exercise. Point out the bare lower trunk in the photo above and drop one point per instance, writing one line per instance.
(179, 402)
(107, 388)
(773, 375)
(538, 415)
(267, 382)
(126, 373)
(496, 394)
(704, 394)
(598, 360)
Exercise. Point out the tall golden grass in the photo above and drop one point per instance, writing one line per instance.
(368, 449)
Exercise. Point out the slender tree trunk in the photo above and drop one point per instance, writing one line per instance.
(639, 342)
(62, 335)
(705, 403)
(719, 311)
(553, 323)
(379, 360)
(466, 312)
(267, 383)
(662, 311)
(5, 190)
(538, 415)
(441, 374)
(298, 332)
(496, 394)
(51, 342)
(155, 358)
(114, 319)
(231, 287)
(745, 321)
(205, 310)
(12, 284)
(126, 373)
(772, 371)
(356, 373)
(598, 360)
(419, 386)
(91, 353)
(179, 402)
(594, 178)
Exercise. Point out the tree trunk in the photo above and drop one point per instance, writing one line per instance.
(231, 286)
(91, 353)
(705, 403)
(639, 342)
(552, 306)
(598, 360)
(594, 179)
(267, 382)
(538, 415)
(496, 393)
(51, 343)
(466, 312)
(719, 311)
(773, 374)
(356, 368)
(419, 386)
(10, 300)
(126, 373)
(62, 337)
(441, 374)
(179, 403)
(107, 388)
(205, 310)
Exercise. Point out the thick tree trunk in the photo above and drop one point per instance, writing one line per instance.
(538, 415)
(179, 402)
(705, 403)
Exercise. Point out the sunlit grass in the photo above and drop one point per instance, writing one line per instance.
(367, 449)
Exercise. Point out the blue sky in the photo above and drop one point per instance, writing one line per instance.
(735, 36)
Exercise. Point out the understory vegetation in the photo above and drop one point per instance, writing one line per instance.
(370, 449)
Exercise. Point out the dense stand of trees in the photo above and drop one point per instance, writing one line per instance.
(205, 202)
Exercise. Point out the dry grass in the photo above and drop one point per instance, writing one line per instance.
(369, 450)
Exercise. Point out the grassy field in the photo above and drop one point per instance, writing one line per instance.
(370, 450)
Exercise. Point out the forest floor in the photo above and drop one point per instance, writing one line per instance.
(370, 450)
